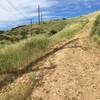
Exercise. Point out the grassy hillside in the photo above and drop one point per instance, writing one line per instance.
(47, 28)
(96, 30)
(22, 52)
(23, 32)
(25, 49)
(18, 55)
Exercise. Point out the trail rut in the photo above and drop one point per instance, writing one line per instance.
(70, 73)
(77, 72)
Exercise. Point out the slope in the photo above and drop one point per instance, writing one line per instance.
(76, 76)
(71, 73)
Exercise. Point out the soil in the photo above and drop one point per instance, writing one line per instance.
(72, 73)
(77, 72)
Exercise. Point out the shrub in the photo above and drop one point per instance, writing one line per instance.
(52, 32)
(37, 31)
(96, 26)
(1, 32)
(23, 34)
(64, 19)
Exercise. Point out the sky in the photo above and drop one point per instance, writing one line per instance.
(14, 13)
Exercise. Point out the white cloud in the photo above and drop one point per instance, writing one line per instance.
(11, 10)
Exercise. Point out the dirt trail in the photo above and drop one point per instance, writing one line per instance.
(71, 73)
(77, 72)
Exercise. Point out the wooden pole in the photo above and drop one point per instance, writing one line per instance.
(39, 15)
(31, 27)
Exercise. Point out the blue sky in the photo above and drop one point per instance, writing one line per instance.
(19, 12)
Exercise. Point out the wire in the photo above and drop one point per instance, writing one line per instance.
(11, 4)
(15, 8)
(3, 21)
(3, 8)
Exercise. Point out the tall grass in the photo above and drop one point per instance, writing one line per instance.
(95, 33)
(17, 56)
(69, 31)
(96, 26)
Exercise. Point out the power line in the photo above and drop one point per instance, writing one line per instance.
(11, 4)
(4, 9)
(15, 8)
(19, 12)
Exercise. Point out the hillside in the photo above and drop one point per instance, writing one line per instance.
(58, 62)
(30, 48)
(95, 33)
(47, 28)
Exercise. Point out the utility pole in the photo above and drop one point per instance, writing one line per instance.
(39, 14)
(31, 27)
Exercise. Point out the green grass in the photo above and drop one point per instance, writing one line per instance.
(22, 32)
(69, 31)
(46, 28)
(95, 33)
(96, 26)
(18, 55)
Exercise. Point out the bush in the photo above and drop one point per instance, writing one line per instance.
(1, 32)
(64, 19)
(23, 35)
(96, 26)
(52, 32)
(37, 31)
